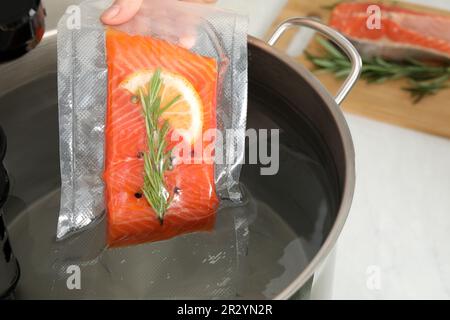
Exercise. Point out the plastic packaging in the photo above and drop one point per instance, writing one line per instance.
(194, 58)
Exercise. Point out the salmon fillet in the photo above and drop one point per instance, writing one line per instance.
(131, 220)
(403, 34)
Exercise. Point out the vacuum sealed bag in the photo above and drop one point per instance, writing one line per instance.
(152, 119)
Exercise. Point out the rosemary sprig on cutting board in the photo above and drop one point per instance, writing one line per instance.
(424, 79)
(157, 159)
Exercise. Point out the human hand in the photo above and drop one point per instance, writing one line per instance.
(124, 10)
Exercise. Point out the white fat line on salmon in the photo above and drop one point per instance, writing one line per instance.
(216, 147)
(187, 310)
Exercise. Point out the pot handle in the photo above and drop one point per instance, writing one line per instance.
(334, 36)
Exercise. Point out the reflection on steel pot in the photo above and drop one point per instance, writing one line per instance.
(9, 268)
(297, 214)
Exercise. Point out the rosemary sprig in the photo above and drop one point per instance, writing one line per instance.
(424, 79)
(421, 89)
(158, 158)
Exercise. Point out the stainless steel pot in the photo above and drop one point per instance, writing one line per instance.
(337, 136)
(310, 197)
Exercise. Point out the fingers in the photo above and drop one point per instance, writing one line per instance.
(121, 11)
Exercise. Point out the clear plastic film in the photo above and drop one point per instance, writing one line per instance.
(188, 37)
(95, 66)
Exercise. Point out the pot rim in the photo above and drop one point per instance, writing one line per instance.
(349, 179)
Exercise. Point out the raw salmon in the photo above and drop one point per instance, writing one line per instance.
(131, 220)
(403, 33)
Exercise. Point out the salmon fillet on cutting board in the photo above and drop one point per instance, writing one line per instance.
(404, 33)
(131, 220)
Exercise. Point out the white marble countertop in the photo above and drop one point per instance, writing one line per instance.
(398, 227)
(395, 244)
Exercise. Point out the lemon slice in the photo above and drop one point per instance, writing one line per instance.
(186, 115)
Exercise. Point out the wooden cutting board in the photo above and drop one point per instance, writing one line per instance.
(384, 102)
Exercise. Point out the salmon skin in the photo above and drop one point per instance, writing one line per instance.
(403, 34)
(130, 218)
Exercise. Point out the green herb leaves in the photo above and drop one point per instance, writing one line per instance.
(157, 159)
